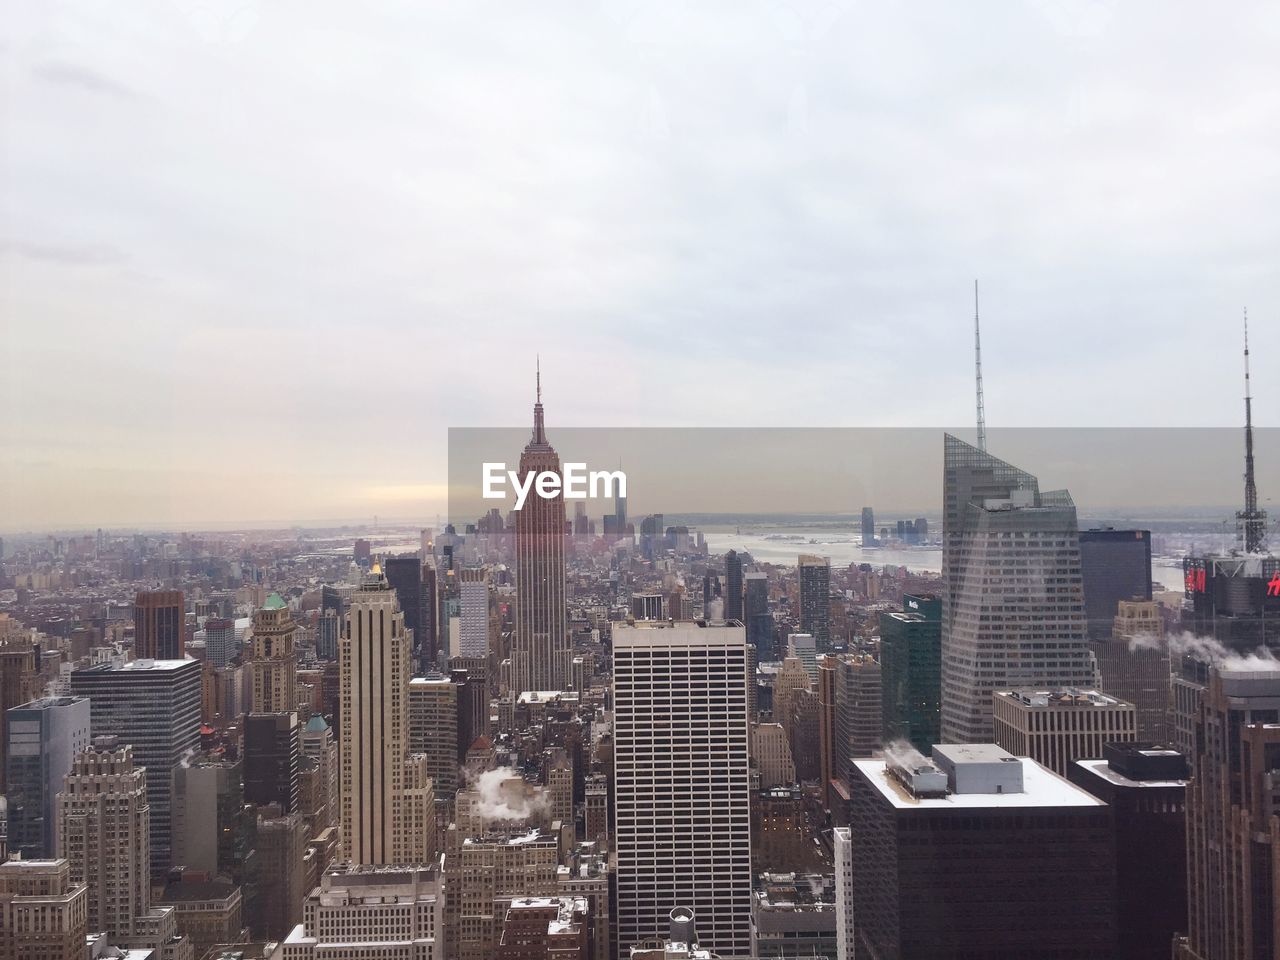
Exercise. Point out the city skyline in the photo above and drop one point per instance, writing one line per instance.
(237, 264)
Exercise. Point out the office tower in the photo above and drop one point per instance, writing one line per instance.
(220, 646)
(159, 625)
(540, 649)
(596, 809)
(433, 729)
(377, 768)
(1134, 666)
(868, 527)
(213, 828)
(484, 874)
(790, 681)
(580, 519)
(1012, 606)
(1115, 565)
(208, 912)
(557, 775)
(320, 748)
(546, 928)
(44, 737)
(828, 751)
(19, 681)
(771, 750)
(648, 606)
(105, 835)
(911, 672)
(756, 617)
(978, 853)
(620, 510)
(1234, 599)
(469, 676)
(473, 634)
(1145, 785)
(733, 586)
(815, 599)
(331, 599)
(154, 705)
(272, 755)
(376, 913)
(427, 643)
(281, 849)
(682, 781)
(842, 845)
(1233, 818)
(405, 576)
(1058, 727)
(362, 553)
(42, 911)
(859, 715)
(273, 659)
(328, 629)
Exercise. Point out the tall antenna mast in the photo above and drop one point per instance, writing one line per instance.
(1252, 521)
(977, 361)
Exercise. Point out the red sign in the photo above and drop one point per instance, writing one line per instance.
(1273, 585)
(1195, 580)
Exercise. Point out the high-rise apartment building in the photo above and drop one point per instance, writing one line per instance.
(1058, 727)
(682, 781)
(381, 781)
(540, 649)
(1233, 819)
(978, 854)
(374, 913)
(105, 836)
(154, 706)
(44, 737)
(1013, 604)
(756, 616)
(815, 599)
(1115, 565)
(43, 912)
(220, 646)
(273, 659)
(159, 625)
(911, 672)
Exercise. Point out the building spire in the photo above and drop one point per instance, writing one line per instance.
(1251, 520)
(539, 430)
(977, 360)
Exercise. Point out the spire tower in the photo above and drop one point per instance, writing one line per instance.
(1252, 521)
(539, 429)
(977, 360)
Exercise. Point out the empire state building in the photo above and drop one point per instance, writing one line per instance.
(541, 653)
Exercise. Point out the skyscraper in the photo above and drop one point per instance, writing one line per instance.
(868, 527)
(42, 912)
(272, 754)
(105, 835)
(911, 672)
(540, 650)
(433, 729)
(378, 773)
(1115, 565)
(1233, 818)
(733, 586)
(219, 641)
(273, 659)
(682, 794)
(405, 576)
(44, 737)
(159, 625)
(756, 617)
(154, 706)
(815, 599)
(473, 592)
(1013, 604)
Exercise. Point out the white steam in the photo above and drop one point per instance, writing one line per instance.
(1206, 649)
(503, 794)
(899, 753)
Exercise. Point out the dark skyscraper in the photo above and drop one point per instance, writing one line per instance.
(911, 672)
(159, 625)
(272, 754)
(428, 645)
(733, 586)
(1013, 602)
(540, 650)
(756, 615)
(1115, 565)
(815, 600)
(405, 576)
(868, 527)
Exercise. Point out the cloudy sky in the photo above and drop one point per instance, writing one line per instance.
(259, 255)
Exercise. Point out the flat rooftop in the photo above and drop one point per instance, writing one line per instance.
(1102, 769)
(1063, 698)
(1041, 787)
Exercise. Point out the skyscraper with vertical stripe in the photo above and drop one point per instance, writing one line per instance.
(540, 652)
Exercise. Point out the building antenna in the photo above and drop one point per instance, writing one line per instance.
(977, 361)
(1252, 521)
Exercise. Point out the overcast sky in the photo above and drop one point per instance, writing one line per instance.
(257, 262)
